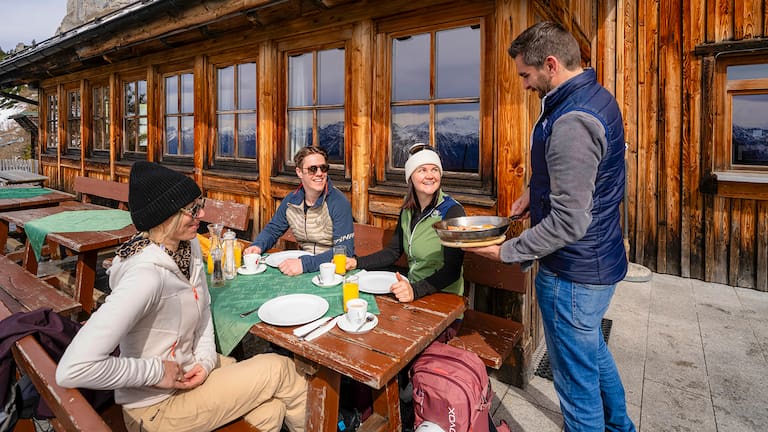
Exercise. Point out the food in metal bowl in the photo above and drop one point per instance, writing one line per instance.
(471, 228)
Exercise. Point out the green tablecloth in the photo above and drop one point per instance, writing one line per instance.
(74, 221)
(247, 292)
(27, 192)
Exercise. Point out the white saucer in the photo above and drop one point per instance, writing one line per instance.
(259, 269)
(348, 327)
(337, 279)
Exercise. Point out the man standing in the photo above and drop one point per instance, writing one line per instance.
(577, 184)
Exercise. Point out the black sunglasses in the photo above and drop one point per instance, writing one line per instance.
(313, 169)
(419, 147)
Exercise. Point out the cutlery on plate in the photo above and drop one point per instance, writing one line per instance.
(321, 330)
(245, 314)
(306, 329)
(368, 318)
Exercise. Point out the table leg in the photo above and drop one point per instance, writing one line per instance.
(4, 228)
(85, 279)
(323, 400)
(386, 409)
(29, 261)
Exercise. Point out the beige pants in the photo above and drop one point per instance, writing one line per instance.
(265, 389)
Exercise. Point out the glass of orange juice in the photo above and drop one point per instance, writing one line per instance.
(351, 289)
(340, 259)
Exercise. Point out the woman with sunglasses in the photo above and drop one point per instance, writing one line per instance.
(319, 215)
(168, 375)
(431, 267)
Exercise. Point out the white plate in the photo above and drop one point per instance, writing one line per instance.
(337, 279)
(377, 282)
(259, 269)
(293, 309)
(276, 258)
(348, 327)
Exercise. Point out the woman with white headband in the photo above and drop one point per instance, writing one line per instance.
(431, 267)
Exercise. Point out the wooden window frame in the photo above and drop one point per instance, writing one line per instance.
(480, 183)
(236, 163)
(51, 122)
(125, 153)
(73, 122)
(339, 173)
(104, 117)
(720, 175)
(181, 159)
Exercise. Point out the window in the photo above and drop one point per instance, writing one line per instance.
(179, 115)
(135, 117)
(73, 122)
(52, 123)
(236, 114)
(435, 82)
(316, 97)
(745, 130)
(100, 124)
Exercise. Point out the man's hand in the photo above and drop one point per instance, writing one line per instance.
(492, 252)
(193, 378)
(402, 289)
(521, 205)
(252, 250)
(291, 267)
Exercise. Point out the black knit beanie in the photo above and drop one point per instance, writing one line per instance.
(155, 193)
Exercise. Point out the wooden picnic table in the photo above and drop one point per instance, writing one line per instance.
(46, 200)
(374, 358)
(85, 244)
(17, 176)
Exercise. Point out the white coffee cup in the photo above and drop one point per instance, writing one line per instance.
(251, 261)
(357, 310)
(327, 273)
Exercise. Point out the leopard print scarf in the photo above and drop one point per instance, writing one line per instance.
(138, 242)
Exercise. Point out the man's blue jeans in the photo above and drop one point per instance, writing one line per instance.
(585, 375)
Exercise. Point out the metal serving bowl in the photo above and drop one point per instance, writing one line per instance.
(500, 226)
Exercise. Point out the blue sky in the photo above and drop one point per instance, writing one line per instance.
(24, 21)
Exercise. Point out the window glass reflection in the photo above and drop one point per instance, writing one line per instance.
(330, 129)
(187, 136)
(748, 71)
(458, 63)
(299, 131)
(171, 138)
(246, 86)
(749, 132)
(410, 125)
(171, 95)
(331, 77)
(410, 67)
(246, 145)
(300, 80)
(187, 93)
(226, 135)
(225, 88)
(457, 136)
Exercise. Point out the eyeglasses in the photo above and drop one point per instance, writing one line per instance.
(194, 211)
(419, 147)
(313, 169)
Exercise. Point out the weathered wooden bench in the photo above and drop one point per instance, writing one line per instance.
(19, 286)
(493, 338)
(72, 411)
(90, 188)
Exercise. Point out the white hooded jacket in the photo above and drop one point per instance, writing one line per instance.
(154, 313)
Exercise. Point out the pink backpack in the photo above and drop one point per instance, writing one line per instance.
(451, 389)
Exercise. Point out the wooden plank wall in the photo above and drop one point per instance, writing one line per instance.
(674, 227)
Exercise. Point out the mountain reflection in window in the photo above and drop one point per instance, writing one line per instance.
(316, 100)
(749, 131)
(436, 87)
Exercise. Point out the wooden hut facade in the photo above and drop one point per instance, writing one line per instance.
(226, 91)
